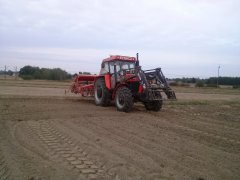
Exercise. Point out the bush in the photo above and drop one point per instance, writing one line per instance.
(27, 77)
(236, 87)
(212, 85)
(184, 84)
(173, 83)
(199, 83)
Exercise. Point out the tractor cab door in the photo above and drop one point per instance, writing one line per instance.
(114, 79)
(104, 68)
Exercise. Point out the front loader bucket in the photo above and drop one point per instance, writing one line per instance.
(156, 76)
(170, 94)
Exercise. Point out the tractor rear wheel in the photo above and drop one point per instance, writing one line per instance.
(101, 94)
(153, 105)
(124, 99)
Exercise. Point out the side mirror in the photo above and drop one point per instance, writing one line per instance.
(103, 65)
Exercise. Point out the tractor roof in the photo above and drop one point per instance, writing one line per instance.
(121, 58)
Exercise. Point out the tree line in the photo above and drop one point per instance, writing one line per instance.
(9, 72)
(234, 81)
(212, 81)
(31, 72)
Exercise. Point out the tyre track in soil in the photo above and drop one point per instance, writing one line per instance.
(111, 154)
(27, 166)
(164, 155)
(14, 114)
(166, 125)
(32, 139)
(209, 125)
(205, 119)
(139, 147)
(196, 131)
(4, 171)
(193, 129)
(139, 144)
(196, 159)
(61, 145)
(202, 118)
(43, 166)
(12, 151)
(118, 153)
(206, 123)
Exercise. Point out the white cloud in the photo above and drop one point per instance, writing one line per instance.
(75, 60)
(181, 32)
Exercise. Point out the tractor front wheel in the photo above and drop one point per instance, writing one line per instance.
(153, 105)
(101, 93)
(124, 99)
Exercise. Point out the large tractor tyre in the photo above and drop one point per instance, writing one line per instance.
(153, 105)
(101, 94)
(124, 99)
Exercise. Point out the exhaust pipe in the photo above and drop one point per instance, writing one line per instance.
(137, 62)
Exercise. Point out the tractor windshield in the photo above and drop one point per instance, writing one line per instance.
(127, 65)
(121, 66)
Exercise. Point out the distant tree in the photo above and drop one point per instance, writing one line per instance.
(84, 73)
(87, 73)
(200, 83)
(212, 81)
(9, 72)
(234, 81)
(193, 80)
(29, 72)
(45, 73)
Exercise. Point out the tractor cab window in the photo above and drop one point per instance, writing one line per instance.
(121, 66)
(127, 65)
(112, 66)
(104, 68)
(132, 65)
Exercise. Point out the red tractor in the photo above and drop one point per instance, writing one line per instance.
(121, 79)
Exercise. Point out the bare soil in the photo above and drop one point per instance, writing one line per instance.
(47, 134)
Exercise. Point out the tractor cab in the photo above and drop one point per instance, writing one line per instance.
(122, 64)
(118, 68)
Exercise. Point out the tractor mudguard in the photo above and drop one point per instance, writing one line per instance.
(107, 81)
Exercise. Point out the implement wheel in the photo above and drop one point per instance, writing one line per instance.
(101, 93)
(124, 99)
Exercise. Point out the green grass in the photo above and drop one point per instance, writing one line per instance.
(188, 102)
(206, 90)
(203, 102)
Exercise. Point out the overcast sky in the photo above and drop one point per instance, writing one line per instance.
(184, 37)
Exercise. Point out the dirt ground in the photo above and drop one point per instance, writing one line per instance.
(47, 134)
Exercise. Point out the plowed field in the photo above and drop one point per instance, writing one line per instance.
(47, 134)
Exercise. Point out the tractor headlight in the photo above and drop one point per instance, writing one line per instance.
(144, 86)
(162, 85)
